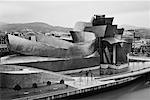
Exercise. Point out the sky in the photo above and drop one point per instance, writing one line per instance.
(67, 13)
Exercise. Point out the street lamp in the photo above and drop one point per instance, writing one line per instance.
(134, 39)
(100, 53)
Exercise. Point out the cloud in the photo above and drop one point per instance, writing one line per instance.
(140, 18)
(66, 13)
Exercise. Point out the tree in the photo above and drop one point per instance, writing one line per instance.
(34, 85)
(62, 81)
(17, 87)
(48, 83)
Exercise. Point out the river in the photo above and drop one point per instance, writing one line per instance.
(137, 90)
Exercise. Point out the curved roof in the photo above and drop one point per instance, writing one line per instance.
(113, 40)
(24, 71)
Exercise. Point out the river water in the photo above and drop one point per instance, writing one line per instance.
(136, 90)
(139, 90)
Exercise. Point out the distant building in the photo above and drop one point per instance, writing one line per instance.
(3, 44)
(25, 33)
(57, 34)
(17, 34)
(61, 35)
(30, 36)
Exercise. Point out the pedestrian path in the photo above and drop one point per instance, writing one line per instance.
(135, 69)
(86, 82)
(138, 58)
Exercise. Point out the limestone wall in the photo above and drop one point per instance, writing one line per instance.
(24, 80)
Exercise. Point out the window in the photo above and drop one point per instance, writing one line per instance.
(29, 38)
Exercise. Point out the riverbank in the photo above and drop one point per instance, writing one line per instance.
(79, 84)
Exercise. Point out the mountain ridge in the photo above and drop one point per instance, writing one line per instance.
(129, 27)
(143, 32)
(35, 26)
(45, 28)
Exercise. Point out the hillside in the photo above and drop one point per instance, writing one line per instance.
(129, 27)
(144, 33)
(35, 26)
(2, 23)
(140, 31)
(44, 28)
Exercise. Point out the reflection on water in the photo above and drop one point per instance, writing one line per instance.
(137, 90)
